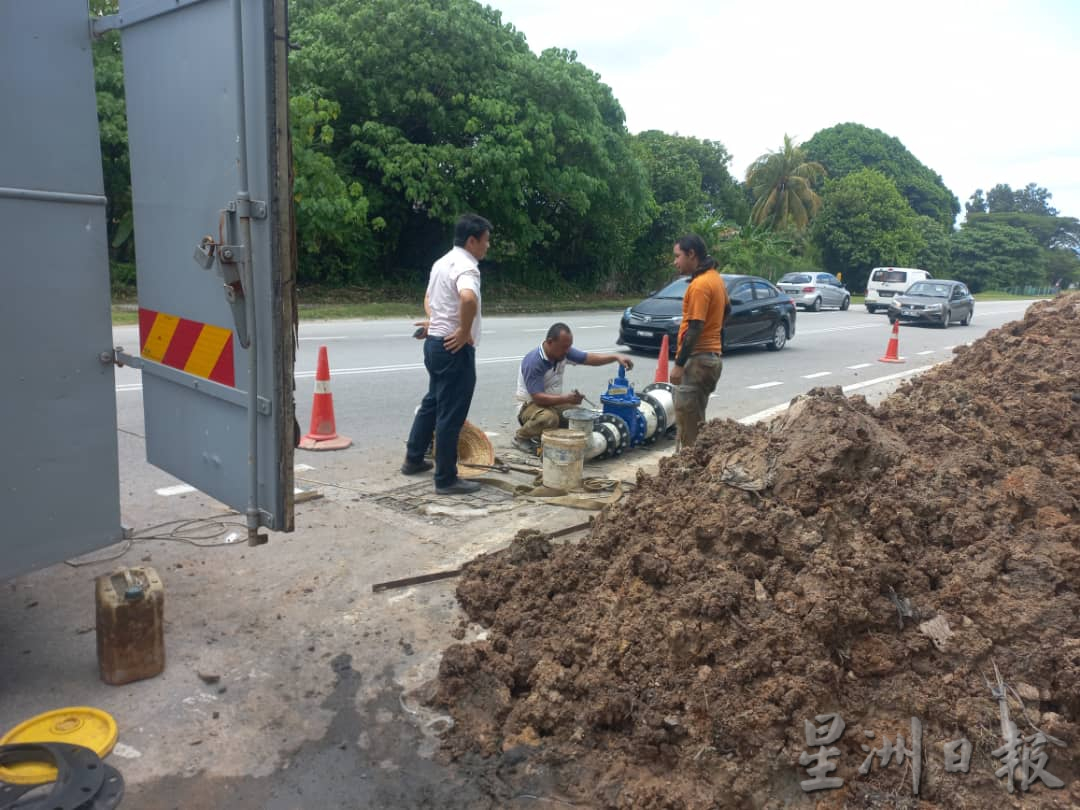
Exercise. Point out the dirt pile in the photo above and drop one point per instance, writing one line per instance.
(887, 559)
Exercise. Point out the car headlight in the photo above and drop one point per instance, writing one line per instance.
(677, 319)
(939, 306)
(626, 313)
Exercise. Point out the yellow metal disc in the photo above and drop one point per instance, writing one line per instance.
(75, 725)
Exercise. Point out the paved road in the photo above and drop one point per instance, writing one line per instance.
(378, 378)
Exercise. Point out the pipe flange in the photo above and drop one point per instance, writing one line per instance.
(661, 415)
(80, 774)
(624, 432)
(663, 386)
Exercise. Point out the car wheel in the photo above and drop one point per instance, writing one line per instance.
(945, 319)
(871, 309)
(968, 317)
(893, 319)
(779, 337)
(816, 306)
(845, 303)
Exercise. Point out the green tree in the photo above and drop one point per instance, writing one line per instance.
(112, 127)
(976, 204)
(331, 212)
(846, 148)
(936, 252)
(466, 117)
(782, 184)
(989, 254)
(864, 223)
(691, 188)
(1031, 199)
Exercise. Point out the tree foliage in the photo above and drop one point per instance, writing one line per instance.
(1031, 199)
(466, 117)
(782, 184)
(1016, 238)
(847, 148)
(864, 223)
(691, 188)
(112, 127)
(989, 254)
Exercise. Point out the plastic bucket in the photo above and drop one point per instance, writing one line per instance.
(581, 419)
(563, 453)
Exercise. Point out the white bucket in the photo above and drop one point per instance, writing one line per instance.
(564, 456)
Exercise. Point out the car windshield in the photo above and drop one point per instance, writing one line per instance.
(889, 276)
(676, 289)
(928, 290)
(795, 278)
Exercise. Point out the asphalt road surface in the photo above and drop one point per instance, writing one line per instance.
(378, 378)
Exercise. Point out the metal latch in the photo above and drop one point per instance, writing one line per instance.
(231, 258)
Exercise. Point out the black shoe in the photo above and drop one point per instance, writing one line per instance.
(459, 487)
(415, 467)
(529, 447)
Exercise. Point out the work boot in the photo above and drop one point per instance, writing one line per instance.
(415, 467)
(459, 487)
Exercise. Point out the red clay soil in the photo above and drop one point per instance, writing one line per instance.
(874, 562)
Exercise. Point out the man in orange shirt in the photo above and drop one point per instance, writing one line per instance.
(697, 361)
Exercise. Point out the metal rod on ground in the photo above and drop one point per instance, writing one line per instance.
(421, 579)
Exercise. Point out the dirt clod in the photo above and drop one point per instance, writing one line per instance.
(889, 558)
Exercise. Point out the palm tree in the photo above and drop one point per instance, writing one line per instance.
(783, 187)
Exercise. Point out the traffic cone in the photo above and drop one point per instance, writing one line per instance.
(892, 351)
(662, 361)
(323, 434)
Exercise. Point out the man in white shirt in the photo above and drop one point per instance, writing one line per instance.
(450, 336)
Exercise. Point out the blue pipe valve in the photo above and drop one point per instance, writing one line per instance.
(619, 400)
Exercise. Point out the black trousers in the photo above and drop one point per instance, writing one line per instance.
(451, 382)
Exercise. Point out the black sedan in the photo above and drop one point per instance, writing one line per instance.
(760, 315)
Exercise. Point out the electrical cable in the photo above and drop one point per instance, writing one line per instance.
(211, 528)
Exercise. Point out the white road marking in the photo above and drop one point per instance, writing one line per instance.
(860, 365)
(535, 330)
(330, 337)
(764, 385)
(302, 467)
(928, 351)
(403, 334)
(601, 326)
(949, 348)
(348, 372)
(490, 435)
(768, 413)
(179, 489)
(816, 374)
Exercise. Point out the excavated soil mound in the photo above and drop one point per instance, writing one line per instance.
(876, 563)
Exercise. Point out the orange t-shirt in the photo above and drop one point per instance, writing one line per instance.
(705, 300)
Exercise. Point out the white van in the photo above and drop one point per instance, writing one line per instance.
(885, 282)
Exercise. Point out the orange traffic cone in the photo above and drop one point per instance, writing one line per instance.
(323, 434)
(662, 361)
(892, 351)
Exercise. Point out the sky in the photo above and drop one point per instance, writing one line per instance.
(980, 92)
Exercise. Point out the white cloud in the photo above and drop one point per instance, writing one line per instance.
(979, 92)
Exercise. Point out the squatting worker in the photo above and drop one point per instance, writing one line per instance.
(450, 336)
(697, 362)
(540, 396)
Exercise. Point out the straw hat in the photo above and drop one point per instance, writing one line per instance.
(474, 447)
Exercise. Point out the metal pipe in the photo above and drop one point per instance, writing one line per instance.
(243, 212)
(50, 196)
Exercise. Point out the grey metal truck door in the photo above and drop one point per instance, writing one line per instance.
(59, 485)
(207, 109)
